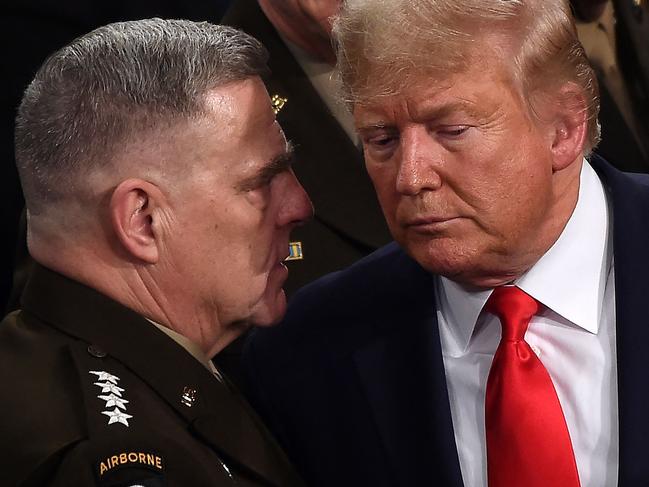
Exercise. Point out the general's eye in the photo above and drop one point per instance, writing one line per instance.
(265, 181)
(259, 183)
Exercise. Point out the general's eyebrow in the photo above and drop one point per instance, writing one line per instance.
(276, 165)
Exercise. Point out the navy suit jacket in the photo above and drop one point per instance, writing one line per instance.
(352, 382)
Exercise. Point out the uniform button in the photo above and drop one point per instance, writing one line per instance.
(95, 351)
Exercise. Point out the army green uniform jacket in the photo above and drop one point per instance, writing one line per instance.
(94, 394)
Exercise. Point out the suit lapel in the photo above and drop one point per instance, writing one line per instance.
(402, 375)
(327, 160)
(218, 414)
(631, 246)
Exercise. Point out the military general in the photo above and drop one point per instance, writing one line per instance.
(160, 198)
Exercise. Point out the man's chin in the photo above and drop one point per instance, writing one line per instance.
(270, 311)
(467, 270)
(454, 262)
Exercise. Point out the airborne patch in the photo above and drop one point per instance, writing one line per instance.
(131, 459)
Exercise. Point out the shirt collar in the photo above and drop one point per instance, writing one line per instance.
(570, 278)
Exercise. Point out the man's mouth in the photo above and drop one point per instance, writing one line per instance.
(429, 223)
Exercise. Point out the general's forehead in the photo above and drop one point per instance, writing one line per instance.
(239, 104)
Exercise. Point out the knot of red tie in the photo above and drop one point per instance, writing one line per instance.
(515, 308)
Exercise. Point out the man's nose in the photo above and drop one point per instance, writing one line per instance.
(421, 158)
(297, 208)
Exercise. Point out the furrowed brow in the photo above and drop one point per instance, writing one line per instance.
(278, 164)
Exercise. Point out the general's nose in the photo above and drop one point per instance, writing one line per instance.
(297, 208)
(419, 163)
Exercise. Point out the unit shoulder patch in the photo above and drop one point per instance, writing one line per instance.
(131, 468)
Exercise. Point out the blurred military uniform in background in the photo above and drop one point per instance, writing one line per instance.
(615, 36)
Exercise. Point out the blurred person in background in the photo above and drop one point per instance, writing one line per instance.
(615, 36)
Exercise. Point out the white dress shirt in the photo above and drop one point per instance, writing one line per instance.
(573, 335)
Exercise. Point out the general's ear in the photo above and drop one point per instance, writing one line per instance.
(569, 121)
(133, 206)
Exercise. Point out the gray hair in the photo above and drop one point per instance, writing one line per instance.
(382, 43)
(115, 84)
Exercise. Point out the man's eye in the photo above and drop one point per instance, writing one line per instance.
(266, 182)
(381, 142)
(453, 131)
(260, 183)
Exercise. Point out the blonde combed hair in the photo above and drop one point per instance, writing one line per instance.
(383, 44)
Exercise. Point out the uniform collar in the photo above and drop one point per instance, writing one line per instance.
(569, 279)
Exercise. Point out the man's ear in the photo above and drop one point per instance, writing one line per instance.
(133, 207)
(569, 120)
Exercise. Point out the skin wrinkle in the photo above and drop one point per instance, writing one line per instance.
(198, 255)
(211, 301)
(470, 177)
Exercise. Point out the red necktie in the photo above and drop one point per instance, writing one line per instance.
(528, 443)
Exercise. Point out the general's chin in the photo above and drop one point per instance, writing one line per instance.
(270, 310)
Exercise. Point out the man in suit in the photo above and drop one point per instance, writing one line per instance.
(348, 223)
(395, 372)
(160, 198)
